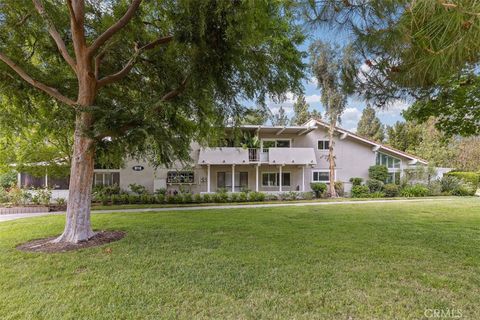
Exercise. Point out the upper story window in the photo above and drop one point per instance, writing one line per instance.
(388, 161)
(180, 177)
(323, 144)
(277, 143)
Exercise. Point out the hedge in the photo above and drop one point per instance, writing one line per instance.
(471, 177)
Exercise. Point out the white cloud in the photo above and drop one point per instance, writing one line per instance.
(312, 98)
(350, 118)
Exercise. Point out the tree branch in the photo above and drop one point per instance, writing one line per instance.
(175, 92)
(119, 75)
(128, 67)
(43, 87)
(110, 32)
(55, 35)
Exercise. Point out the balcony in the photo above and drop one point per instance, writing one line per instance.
(279, 156)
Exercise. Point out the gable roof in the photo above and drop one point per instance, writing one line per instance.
(374, 144)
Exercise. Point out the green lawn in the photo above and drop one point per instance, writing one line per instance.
(364, 261)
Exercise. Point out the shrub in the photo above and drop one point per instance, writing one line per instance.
(161, 191)
(207, 198)
(374, 185)
(339, 188)
(377, 194)
(434, 188)
(3, 195)
(390, 190)
(187, 198)
(464, 189)
(18, 196)
(105, 199)
(42, 196)
(416, 190)
(260, 196)
(160, 198)
(271, 197)
(133, 199)
(60, 201)
(125, 198)
(449, 183)
(223, 197)
(360, 192)
(243, 196)
(98, 191)
(215, 197)
(234, 197)
(307, 195)
(378, 172)
(197, 198)
(116, 199)
(470, 177)
(137, 189)
(356, 181)
(318, 187)
(8, 179)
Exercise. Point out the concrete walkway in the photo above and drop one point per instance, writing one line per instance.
(8, 217)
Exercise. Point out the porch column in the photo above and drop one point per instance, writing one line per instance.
(256, 178)
(233, 178)
(303, 178)
(280, 179)
(208, 178)
(19, 180)
(46, 180)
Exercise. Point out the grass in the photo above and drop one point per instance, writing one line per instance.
(364, 261)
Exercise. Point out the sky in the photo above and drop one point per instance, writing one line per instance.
(389, 115)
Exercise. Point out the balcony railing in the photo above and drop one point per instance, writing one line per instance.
(257, 155)
(227, 155)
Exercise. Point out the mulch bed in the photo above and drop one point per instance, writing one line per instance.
(45, 245)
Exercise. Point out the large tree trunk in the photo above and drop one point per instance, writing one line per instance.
(331, 160)
(78, 226)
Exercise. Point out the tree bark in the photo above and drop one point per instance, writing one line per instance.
(78, 226)
(331, 160)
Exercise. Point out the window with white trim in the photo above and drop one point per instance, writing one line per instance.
(387, 161)
(275, 143)
(323, 144)
(271, 179)
(179, 177)
(106, 178)
(321, 176)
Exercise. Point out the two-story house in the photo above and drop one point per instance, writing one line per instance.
(288, 158)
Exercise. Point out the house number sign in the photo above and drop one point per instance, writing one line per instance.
(138, 168)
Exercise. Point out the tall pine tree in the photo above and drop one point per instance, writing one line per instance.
(370, 125)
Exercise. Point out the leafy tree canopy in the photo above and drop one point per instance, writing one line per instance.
(174, 72)
(421, 49)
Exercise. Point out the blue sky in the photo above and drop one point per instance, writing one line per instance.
(388, 115)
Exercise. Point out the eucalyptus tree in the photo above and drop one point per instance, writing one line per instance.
(423, 50)
(335, 69)
(142, 78)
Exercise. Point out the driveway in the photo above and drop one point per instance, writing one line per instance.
(9, 217)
